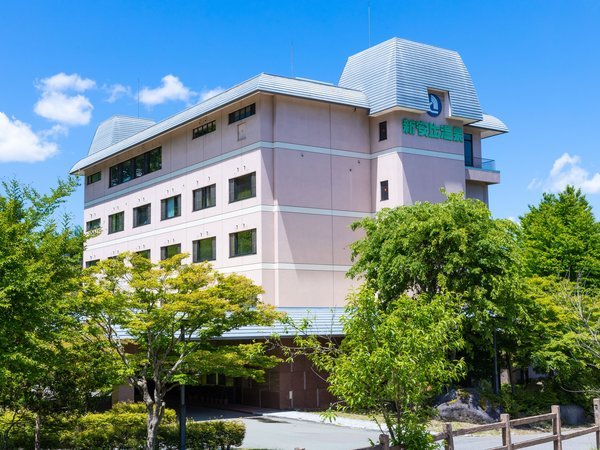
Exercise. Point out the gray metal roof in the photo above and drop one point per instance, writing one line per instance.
(397, 73)
(260, 83)
(115, 130)
(490, 125)
(322, 321)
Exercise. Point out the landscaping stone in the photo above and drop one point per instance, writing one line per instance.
(466, 406)
(572, 415)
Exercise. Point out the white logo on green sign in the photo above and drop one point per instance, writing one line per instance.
(431, 130)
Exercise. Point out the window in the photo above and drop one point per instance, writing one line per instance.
(204, 129)
(141, 215)
(135, 167)
(205, 197)
(242, 243)
(205, 249)
(144, 253)
(385, 193)
(243, 187)
(170, 207)
(169, 251)
(91, 263)
(116, 222)
(240, 114)
(94, 177)
(383, 131)
(468, 142)
(92, 225)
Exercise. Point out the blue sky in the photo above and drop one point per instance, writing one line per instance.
(66, 66)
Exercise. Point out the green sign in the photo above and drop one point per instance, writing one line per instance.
(431, 130)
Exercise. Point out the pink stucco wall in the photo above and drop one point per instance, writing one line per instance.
(318, 168)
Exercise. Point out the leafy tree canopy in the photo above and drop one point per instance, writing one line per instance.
(163, 321)
(561, 238)
(454, 247)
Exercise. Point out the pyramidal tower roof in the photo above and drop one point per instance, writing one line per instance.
(115, 130)
(398, 73)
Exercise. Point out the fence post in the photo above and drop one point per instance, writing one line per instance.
(597, 420)
(384, 440)
(449, 440)
(506, 438)
(556, 427)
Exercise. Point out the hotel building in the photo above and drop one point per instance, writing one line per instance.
(265, 178)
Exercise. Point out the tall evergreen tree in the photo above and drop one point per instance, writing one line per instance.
(561, 238)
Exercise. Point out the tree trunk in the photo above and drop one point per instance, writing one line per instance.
(38, 432)
(152, 429)
(155, 407)
(510, 372)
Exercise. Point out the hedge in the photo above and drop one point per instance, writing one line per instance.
(123, 428)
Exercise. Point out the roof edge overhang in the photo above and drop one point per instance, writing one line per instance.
(490, 126)
(262, 83)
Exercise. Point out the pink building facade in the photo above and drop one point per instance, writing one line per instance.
(265, 179)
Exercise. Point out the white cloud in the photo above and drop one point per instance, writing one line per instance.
(64, 109)
(205, 94)
(62, 82)
(116, 91)
(58, 105)
(18, 143)
(567, 170)
(171, 89)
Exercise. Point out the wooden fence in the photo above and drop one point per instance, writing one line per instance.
(505, 425)
(557, 437)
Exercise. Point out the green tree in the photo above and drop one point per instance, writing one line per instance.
(453, 247)
(162, 321)
(392, 361)
(40, 267)
(561, 238)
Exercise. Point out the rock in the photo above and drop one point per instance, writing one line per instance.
(572, 415)
(465, 406)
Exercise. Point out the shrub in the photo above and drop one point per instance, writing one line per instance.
(123, 427)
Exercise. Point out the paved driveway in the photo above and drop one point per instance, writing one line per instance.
(277, 432)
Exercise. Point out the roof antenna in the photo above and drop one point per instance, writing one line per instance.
(138, 97)
(369, 20)
(292, 57)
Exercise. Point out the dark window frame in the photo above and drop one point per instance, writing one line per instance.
(92, 225)
(234, 188)
(383, 130)
(144, 253)
(196, 252)
(93, 178)
(208, 197)
(204, 129)
(234, 243)
(242, 113)
(164, 251)
(176, 207)
(91, 263)
(384, 190)
(135, 215)
(468, 149)
(111, 223)
(135, 167)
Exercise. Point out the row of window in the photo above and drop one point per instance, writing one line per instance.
(152, 160)
(135, 167)
(241, 243)
(240, 188)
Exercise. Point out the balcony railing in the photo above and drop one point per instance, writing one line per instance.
(481, 163)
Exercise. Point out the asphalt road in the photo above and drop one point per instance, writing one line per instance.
(278, 433)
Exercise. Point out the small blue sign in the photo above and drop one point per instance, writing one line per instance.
(435, 105)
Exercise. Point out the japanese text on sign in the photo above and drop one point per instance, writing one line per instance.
(431, 130)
